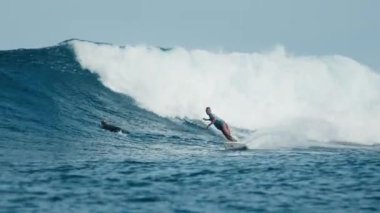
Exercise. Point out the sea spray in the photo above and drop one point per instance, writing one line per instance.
(324, 98)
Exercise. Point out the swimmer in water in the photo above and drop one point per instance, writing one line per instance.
(112, 128)
(219, 124)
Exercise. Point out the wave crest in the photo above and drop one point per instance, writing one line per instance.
(321, 98)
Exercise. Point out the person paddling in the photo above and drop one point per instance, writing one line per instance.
(112, 128)
(219, 124)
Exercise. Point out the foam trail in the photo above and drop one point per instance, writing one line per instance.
(319, 98)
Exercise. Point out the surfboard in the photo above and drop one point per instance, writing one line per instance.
(235, 146)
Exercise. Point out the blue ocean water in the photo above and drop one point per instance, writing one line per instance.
(54, 157)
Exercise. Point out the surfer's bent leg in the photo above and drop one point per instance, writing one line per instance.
(227, 133)
(223, 127)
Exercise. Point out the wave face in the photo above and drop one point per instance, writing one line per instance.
(46, 97)
(324, 98)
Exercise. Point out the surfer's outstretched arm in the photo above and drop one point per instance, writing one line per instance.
(212, 122)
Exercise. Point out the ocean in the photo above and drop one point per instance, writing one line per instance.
(311, 124)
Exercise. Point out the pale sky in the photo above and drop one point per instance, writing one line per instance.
(303, 27)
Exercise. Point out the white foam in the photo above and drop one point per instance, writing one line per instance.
(320, 98)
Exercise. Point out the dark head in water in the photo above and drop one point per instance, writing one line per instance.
(111, 127)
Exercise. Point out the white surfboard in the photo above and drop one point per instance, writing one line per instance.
(235, 146)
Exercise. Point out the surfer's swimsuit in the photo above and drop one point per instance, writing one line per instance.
(218, 121)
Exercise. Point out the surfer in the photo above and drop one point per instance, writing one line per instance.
(111, 127)
(219, 124)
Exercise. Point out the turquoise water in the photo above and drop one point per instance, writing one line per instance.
(54, 157)
(122, 176)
